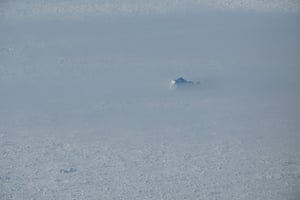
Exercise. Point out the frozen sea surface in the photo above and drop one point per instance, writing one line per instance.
(85, 110)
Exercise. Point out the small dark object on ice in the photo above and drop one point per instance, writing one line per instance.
(181, 82)
(68, 170)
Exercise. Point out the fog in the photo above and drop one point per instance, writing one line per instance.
(86, 111)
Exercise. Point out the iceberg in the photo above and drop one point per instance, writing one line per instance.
(181, 82)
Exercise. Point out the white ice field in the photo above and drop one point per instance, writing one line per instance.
(86, 112)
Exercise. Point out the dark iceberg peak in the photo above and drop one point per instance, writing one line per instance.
(181, 80)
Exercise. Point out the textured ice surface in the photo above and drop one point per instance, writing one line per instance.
(85, 112)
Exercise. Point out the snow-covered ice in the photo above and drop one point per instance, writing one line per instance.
(85, 110)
